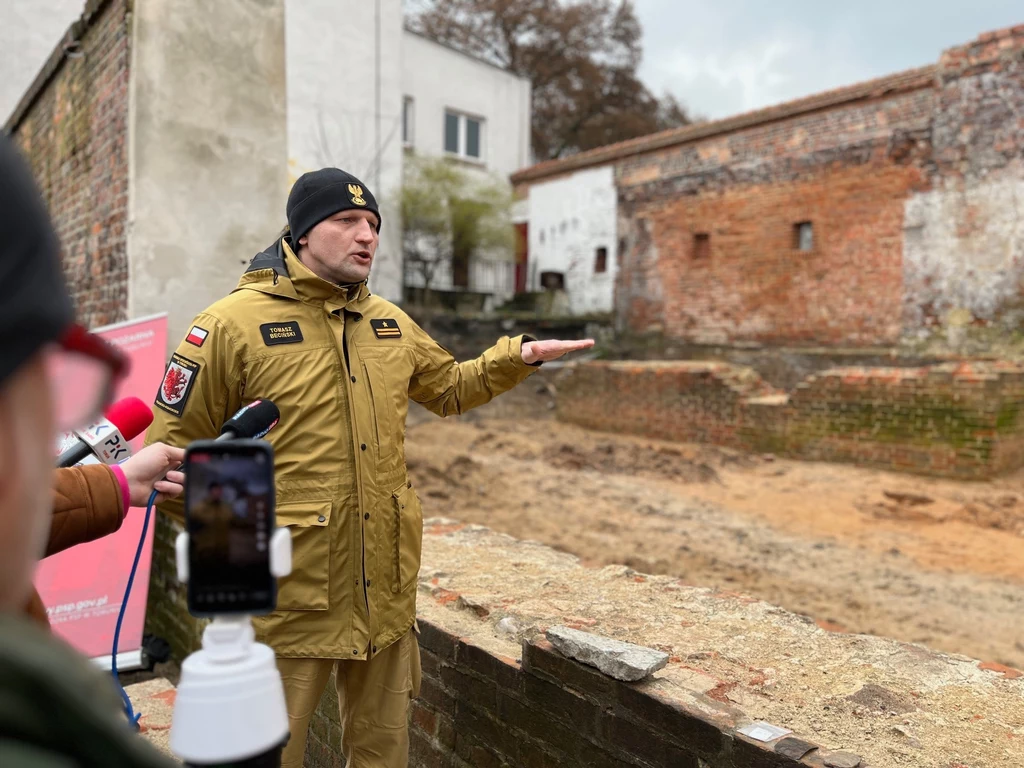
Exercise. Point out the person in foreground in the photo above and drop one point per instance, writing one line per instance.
(56, 708)
(302, 329)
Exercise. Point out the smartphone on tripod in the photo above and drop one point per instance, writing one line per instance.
(229, 518)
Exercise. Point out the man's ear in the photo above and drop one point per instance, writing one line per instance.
(304, 241)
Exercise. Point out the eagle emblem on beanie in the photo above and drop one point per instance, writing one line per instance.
(357, 194)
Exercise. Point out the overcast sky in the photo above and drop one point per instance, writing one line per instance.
(722, 57)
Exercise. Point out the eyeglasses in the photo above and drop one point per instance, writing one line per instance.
(83, 371)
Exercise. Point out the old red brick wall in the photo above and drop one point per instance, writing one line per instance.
(908, 182)
(953, 420)
(752, 283)
(73, 127)
(837, 169)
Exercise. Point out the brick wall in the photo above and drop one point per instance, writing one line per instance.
(478, 709)
(963, 243)
(946, 420)
(73, 126)
(839, 169)
(911, 184)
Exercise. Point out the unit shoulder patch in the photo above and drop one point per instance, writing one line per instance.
(386, 328)
(179, 379)
(281, 333)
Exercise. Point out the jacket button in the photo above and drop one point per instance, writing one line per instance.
(353, 379)
(366, 516)
(355, 652)
(362, 447)
(368, 584)
(375, 649)
(322, 519)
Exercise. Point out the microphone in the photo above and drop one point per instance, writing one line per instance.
(252, 421)
(107, 439)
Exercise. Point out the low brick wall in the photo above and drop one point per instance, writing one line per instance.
(479, 709)
(496, 694)
(957, 420)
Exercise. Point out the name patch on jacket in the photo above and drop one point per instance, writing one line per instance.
(386, 329)
(281, 333)
(179, 379)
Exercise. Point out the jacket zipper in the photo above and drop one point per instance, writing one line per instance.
(355, 454)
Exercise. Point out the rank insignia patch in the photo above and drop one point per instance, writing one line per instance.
(386, 329)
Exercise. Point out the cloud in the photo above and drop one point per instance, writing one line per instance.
(729, 56)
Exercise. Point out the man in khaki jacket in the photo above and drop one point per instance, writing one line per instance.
(302, 329)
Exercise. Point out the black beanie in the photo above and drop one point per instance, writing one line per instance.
(35, 307)
(319, 194)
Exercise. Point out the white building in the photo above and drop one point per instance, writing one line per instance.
(573, 244)
(477, 114)
(229, 103)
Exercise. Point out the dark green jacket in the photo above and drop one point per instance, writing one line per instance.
(57, 710)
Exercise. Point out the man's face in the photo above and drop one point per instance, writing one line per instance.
(26, 488)
(340, 248)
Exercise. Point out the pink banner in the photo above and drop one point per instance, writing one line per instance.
(83, 587)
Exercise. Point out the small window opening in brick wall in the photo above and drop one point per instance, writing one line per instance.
(803, 236)
(701, 246)
(601, 260)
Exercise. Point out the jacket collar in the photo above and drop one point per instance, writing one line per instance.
(277, 271)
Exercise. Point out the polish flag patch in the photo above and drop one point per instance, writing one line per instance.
(197, 336)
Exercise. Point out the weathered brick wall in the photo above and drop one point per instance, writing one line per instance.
(73, 126)
(839, 169)
(946, 420)
(478, 709)
(963, 242)
(911, 183)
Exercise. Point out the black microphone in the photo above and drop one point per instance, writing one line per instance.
(252, 421)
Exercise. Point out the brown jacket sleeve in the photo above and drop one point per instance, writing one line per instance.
(87, 505)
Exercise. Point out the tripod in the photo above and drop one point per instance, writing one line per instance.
(230, 708)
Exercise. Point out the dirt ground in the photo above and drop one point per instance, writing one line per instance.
(936, 562)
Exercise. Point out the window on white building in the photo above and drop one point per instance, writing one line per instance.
(463, 135)
(407, 121)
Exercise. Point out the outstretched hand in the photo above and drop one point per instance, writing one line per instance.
(551, 349)
(146, 469)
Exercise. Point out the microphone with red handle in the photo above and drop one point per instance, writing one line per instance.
(107, 440)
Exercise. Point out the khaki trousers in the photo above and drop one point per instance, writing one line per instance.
(373, 701)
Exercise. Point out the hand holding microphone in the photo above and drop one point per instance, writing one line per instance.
(147, 471)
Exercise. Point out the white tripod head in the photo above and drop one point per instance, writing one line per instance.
(230, 706)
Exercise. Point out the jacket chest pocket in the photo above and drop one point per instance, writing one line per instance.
(407, 515)
(383, 409)
(307, 587)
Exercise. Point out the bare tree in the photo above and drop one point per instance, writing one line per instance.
(581, 57)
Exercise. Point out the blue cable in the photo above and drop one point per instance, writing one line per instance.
(132, 717)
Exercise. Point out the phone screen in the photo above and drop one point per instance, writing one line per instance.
(230, 518)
